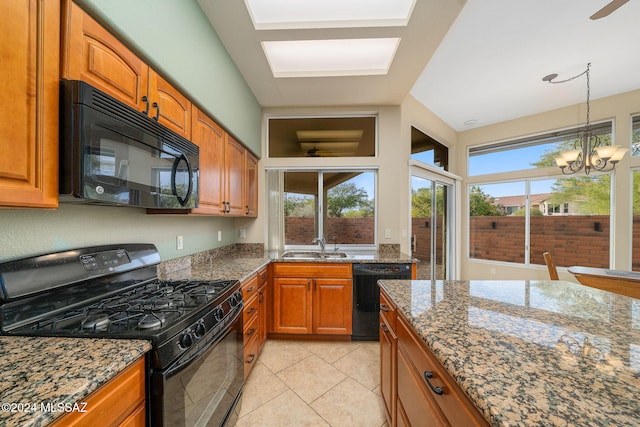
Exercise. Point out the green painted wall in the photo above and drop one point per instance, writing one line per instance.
(176, 39)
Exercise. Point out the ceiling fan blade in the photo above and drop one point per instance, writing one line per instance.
(608, 9)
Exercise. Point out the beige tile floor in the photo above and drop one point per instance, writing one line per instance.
(314, 383)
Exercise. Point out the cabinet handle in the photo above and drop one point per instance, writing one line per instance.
(308, 284)
(157, 107)
(261, 299)
(146, 102)
(437, 390)
(247, 209)
(251, 288)
(251, 331)
(263, 276)
(251, 358)
(383, 307)
(251, 310)
(384, 327)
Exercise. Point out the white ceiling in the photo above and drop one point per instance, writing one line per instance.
(483, 60)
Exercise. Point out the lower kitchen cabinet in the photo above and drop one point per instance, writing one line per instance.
(388, 356)
(417, 390)
(120, 402)
(254, 317)
(312, 298)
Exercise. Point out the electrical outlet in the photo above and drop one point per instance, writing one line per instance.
(387, 233)
(219, 235)
(179, 243)
(243, 233)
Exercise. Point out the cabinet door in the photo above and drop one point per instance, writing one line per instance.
(29, 48)
(251, 185)
(168, 106)
(234, 176)
(262, 315)
(292, 301)
(90, 53)
(210, 139)
(418, 405)
(388, 354)
(332, 307)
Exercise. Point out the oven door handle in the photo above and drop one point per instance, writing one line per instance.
(186, 359)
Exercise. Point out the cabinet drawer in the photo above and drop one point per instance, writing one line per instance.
(250, 288)
(251, 329)
(312, 270)
(388, 310)
(250, 354)
(250, 310)
(453, 402)
(263, 276)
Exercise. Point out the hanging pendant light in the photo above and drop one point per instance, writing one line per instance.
(590, 152)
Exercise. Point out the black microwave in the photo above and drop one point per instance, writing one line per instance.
(112, 154)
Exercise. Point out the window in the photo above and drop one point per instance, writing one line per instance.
(635, 136)
(322, 136)
(528, 153)
(517, 222)
(428, 151)
(338, 205)
(635, 251)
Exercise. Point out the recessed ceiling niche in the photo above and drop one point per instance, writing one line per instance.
(322, 136)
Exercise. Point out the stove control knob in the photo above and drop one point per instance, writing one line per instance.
(199, 330)
(185, 340)
(218, 314)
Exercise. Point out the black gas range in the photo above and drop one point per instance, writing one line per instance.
(114, 292)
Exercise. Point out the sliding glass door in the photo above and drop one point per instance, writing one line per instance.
(431, 240)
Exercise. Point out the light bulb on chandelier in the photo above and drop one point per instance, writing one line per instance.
(590, 152)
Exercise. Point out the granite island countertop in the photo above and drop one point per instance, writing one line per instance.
(37, 370)
(532, 352)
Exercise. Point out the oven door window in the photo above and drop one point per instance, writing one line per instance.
(203, 393)
(120, 169)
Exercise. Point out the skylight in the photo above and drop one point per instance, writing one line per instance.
(289, 14)
(323, 58)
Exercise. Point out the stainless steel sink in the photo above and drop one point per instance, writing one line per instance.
(313, 255)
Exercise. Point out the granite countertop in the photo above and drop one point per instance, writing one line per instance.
(39, 370)
(532, 352)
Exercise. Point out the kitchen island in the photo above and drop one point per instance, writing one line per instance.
(531, 352)
(43, 378)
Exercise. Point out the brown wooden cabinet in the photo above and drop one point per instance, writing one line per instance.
(234, 177)
(29, 87)
(210, 139)
(120, 402)
(92, 54)
(410, 376)
(388, 354)
(251, 184)
(312, 298)
(254, 318)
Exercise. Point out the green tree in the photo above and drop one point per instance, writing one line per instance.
(298, 205)
(421, 203)
(347, 197)
(481, 204)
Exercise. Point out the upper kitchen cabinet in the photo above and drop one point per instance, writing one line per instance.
(210, 138)
(92, 54)
(234, 186)
(251, 184)
(29, 52)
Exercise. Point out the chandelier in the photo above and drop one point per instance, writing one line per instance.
(590, 152)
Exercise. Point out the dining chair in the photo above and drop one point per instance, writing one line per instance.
(551, 266)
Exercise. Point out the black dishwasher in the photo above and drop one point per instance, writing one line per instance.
(366, 296)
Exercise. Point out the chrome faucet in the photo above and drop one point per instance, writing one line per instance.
(320, 241)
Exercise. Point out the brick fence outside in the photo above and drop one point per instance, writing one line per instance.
(572, 240)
